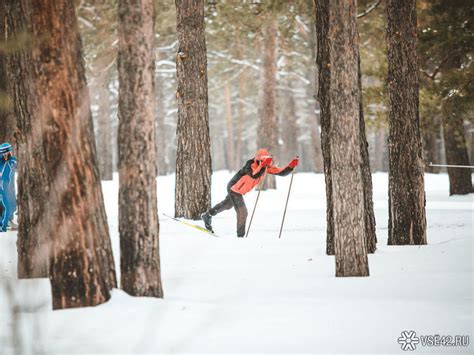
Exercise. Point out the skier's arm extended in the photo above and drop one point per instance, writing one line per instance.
(274, 170)
(285, 170)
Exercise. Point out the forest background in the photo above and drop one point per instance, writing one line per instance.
(236, 45)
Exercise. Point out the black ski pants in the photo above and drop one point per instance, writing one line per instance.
(235, 200)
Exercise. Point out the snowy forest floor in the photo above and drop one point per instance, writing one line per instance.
(264, 294)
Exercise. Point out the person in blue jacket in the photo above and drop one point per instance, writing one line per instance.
(7, 185)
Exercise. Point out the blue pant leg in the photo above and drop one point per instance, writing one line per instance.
(4, 216)
(11, 201)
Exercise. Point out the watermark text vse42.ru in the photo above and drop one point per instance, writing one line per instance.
(408, 340)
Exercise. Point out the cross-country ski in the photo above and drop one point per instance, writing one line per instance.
(195, 226)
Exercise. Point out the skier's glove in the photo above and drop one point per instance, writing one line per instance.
(294, 163)
(266, 161)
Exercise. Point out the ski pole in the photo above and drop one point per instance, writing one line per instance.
(286, 205)
(254, 207)
(453, 166)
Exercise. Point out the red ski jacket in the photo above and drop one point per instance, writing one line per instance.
(253, 172)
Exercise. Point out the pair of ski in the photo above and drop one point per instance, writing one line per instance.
(195, 226)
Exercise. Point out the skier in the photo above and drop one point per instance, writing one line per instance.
(7, 186)
(244, 181)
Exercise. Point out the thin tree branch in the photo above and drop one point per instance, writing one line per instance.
(369, 9)
(441, 64)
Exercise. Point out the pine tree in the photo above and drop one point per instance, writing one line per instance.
(325, 67)
(7, 126)
(460, 180)
(445, 48)
(230, 129)
(138, 213)
(104, 134)
(407, 218)
(369, 215)
(62, 211)
(288, 126)
(311, 93)
(344, 136)
(161, 129)
(193, 156)
(267, 129)
(324, 76)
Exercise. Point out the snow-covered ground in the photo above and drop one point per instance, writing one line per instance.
(264, 294)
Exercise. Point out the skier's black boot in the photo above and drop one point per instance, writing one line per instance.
(207, 219)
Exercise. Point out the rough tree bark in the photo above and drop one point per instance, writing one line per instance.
(324, 77)
(33, 240)
(318, 165)
(138, 207)
(324, 86)
(267, 130)
(407, 218)
(104, 137)
(289, 129)
(346, 160)
(380, 160)
(60, 197)
(430, 150)
(7, 119)
(369, 216)
(239, 151)
(460, 181)
(162, 136)
(314, 105)
(193, 156)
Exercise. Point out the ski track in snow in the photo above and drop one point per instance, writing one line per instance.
(264, 294)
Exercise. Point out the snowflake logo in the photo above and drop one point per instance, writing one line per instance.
(408, 340)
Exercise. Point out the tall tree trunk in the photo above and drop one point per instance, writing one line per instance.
(267, 130)
(62, 210)
(104, 148)
(315, 134)
(193, 156)
(34, 242)
(6, 131)
(430, 134)
(289, 129)
(324, 77)
(239, 159)
(314, 105)
(380, 149)
(7, 119)
(430, 151)
(230, 148)
(345, 141)
(460, 181)
(407, 216)
(138, 207)
(369, 216)
(470, 139)
(7, 122)
(162, 137)
(239, 152)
